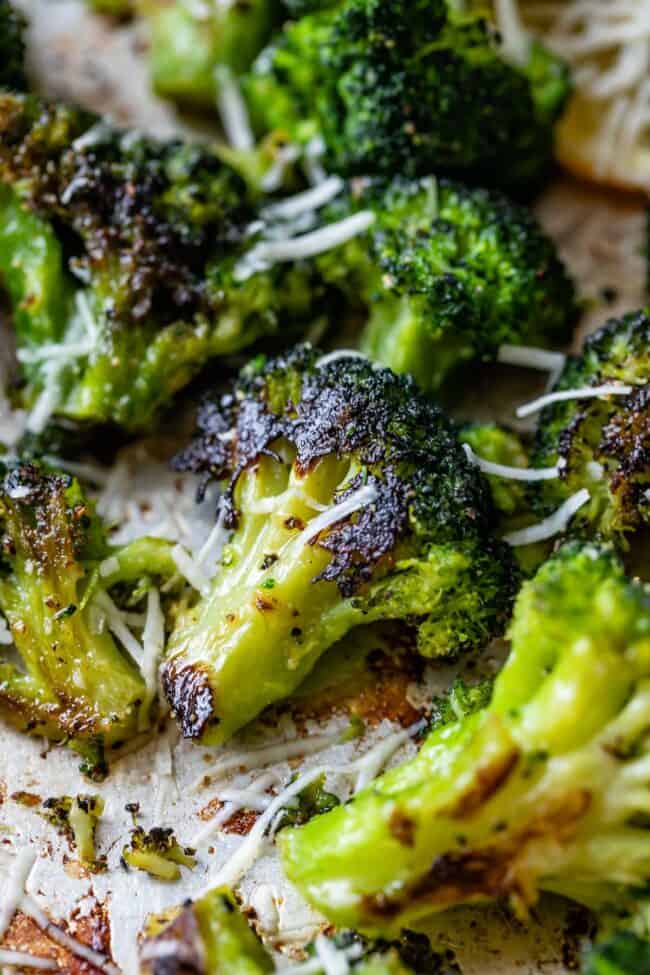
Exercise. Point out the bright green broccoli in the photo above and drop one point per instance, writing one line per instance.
(411, 87)
(352, 502)
(546, 789)
(212, 937)
(114, 8)
(492, 443)
(12, 47)
(602, 444)
(118, 256)
(77, 683)
(158, 853)
(623, 954)
(77, 817)
(448, 275)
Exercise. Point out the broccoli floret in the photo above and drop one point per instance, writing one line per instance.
(77, 817)
(12, 48)
(352, 502)
(623, 954)
(76, 685)
(158, 853)
(189, 52)
(546, 789)
(448, 275)
(411, 87)
(118, 257)
(492, 443)
(212, 936)
(461, 700)
(601, 444)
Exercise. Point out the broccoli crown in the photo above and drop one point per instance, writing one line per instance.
(411, 86)
(351, 502)
(158, 853)
(544, 789)
(12, 47)
(453, 273)
(125, 248)
(210, 936)
(623, 954)
(76, 684)
(602, 444)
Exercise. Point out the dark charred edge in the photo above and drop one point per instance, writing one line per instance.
(489, 779)
(186, 956)
(626, 436)
(490, 873)
(190, 697)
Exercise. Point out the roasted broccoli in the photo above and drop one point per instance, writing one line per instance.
(410, 87)
(118, 256)
(158, 853)
(77, 684)
(546, 789)
(449, 274)
(12, 48)
(496, 445)
(623, 954)
(352, 502)
(77, 817)
(602, 444)
(212, 937)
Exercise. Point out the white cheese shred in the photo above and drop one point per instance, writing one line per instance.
(14, 887)
(562, 395)
(306, 202)
(190, 569)
(118, 626)
(337, 354)
(530, 357)
(365, 496)
(233, 111)
(22, 959)
(551, 526)
(75, 947)
(511, 473)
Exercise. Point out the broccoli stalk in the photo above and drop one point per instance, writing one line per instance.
(77, 817)
(158, 853)
(402, 86)
(352, 502)
(76, 684)
(12, 48)
(601, 444)
(546, 789)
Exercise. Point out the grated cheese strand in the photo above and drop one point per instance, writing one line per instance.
(371, 764)
(551, 526)
(76, 948)
(512, 473)
(305, 202)
(588, 392)
(190, 569)
(233, 111)
(15, 887)
(118, 626)
(365, 496)
(22, 959)
(531, 357)
(153, 645)
(337, 354)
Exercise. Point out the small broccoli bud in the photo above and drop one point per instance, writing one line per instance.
(210, 937)
(158, 853)
(77, 818)
(623, 954)
(448, 275)
(359, 485)
(460, 701)
(399, 87)
(545, 789)
(601, 444)
(78, 684)
(12, 47)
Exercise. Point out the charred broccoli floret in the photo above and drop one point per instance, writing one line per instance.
(212, 937)
(601, 444)
(546, 789)
(118, 256)
(77, 817)
(12, 47)
(623, 954)
(410, 87)
(351, 502)
(77, 684)
(448, 275)
(158, 853)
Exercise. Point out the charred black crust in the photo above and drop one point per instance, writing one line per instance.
(188, 957)
(191, 698)
(626, 437)
(425, 485)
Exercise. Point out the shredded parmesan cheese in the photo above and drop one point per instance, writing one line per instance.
(589, 392)
(153, 644)
(118, 627)
(337, 354)
(190, 569)
(551, 526)
(21, 959)
(531, 357)
(512, 473)
(76, 948)
(233, 111)
(306, 202)
(356, 501)
(14, 890)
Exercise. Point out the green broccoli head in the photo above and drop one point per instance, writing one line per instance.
(77, 684)
(351, 501)
(158, 853)
(546, 789)
(623, 954)
(602, 444)
(411, 86)
(453, 273)
(12, 48)
(118, 256)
